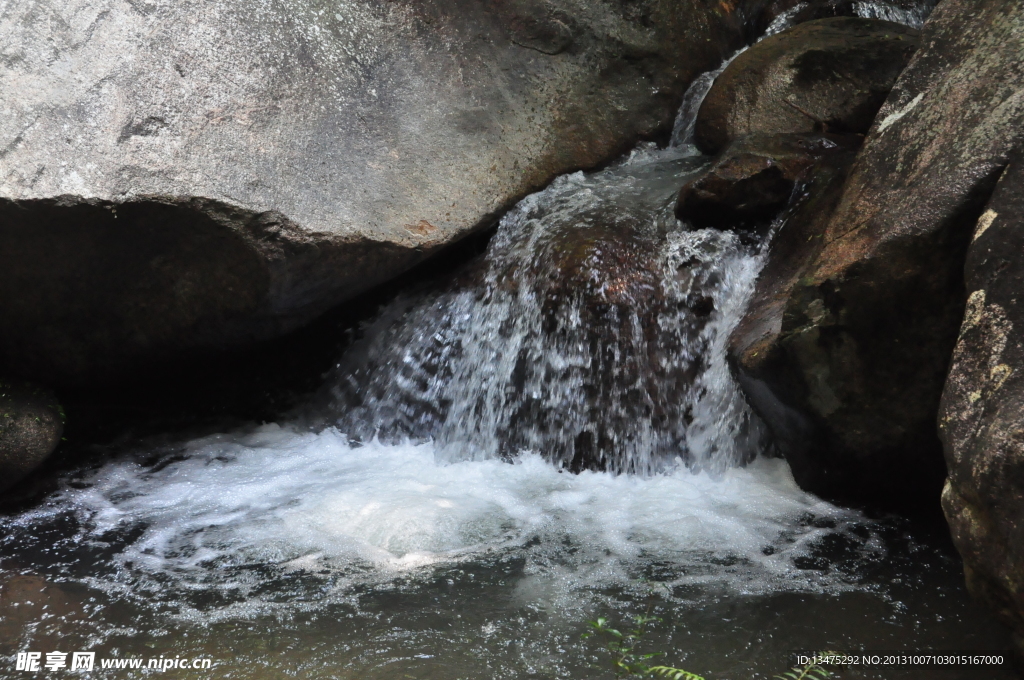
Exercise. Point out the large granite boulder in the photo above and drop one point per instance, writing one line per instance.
(828, 75)
(982, 416)
(186, 175)
(848, 360)
(31, 424)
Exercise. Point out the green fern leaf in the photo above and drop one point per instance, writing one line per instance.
(673, 673)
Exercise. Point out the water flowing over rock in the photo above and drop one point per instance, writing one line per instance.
(592, 333)
(31, 423)
(186, 175)
(829, 75)
(854, 348)
(908, 12)
(982, 415)
(754, 178)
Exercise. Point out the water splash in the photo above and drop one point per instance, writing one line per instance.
(913, 16)
(783, 21)
(686, 118)
(231, 523)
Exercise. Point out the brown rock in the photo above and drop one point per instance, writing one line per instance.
(754, 178)
(829, 75)
(847, 342)
(982, 415)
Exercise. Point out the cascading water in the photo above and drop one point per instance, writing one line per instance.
(592, 333)
(913, 16)
(416, 519)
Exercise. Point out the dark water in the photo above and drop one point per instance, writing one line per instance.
(513, 615)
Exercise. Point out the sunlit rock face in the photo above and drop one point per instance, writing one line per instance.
(238, 168)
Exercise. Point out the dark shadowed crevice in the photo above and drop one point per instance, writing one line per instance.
(117, 280)
(92, 290)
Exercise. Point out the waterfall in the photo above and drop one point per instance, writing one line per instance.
(590, 336)
(592, 332)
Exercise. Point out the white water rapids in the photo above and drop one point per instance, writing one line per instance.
(242, 511)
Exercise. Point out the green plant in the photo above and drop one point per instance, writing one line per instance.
(812, 670)
(673, 673)
(626, 660)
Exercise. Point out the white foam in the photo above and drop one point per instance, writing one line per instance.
(301, 500)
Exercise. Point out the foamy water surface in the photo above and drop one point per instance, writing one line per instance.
(233, 511)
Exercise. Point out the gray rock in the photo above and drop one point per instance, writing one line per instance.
(31, 423)
(186, 175)
(982, 415)
(846, 351)
(828, 75)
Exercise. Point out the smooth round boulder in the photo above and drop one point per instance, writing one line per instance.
(31, 424)
(829, 75)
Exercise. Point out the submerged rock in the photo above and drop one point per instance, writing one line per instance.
(982, 416)
(31, 423)
(192, 175)
(754, 178)
(845, 347)
(602, 287)
(829, 75)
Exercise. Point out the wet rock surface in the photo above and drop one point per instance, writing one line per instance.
(186, 176)
(982, 416)
(602, 287)
(31, 424)
(829, 75)
(799, 12)
(776, 363)
(754, 178)
(848, 340)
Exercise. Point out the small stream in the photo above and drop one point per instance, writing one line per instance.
(550, 435)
